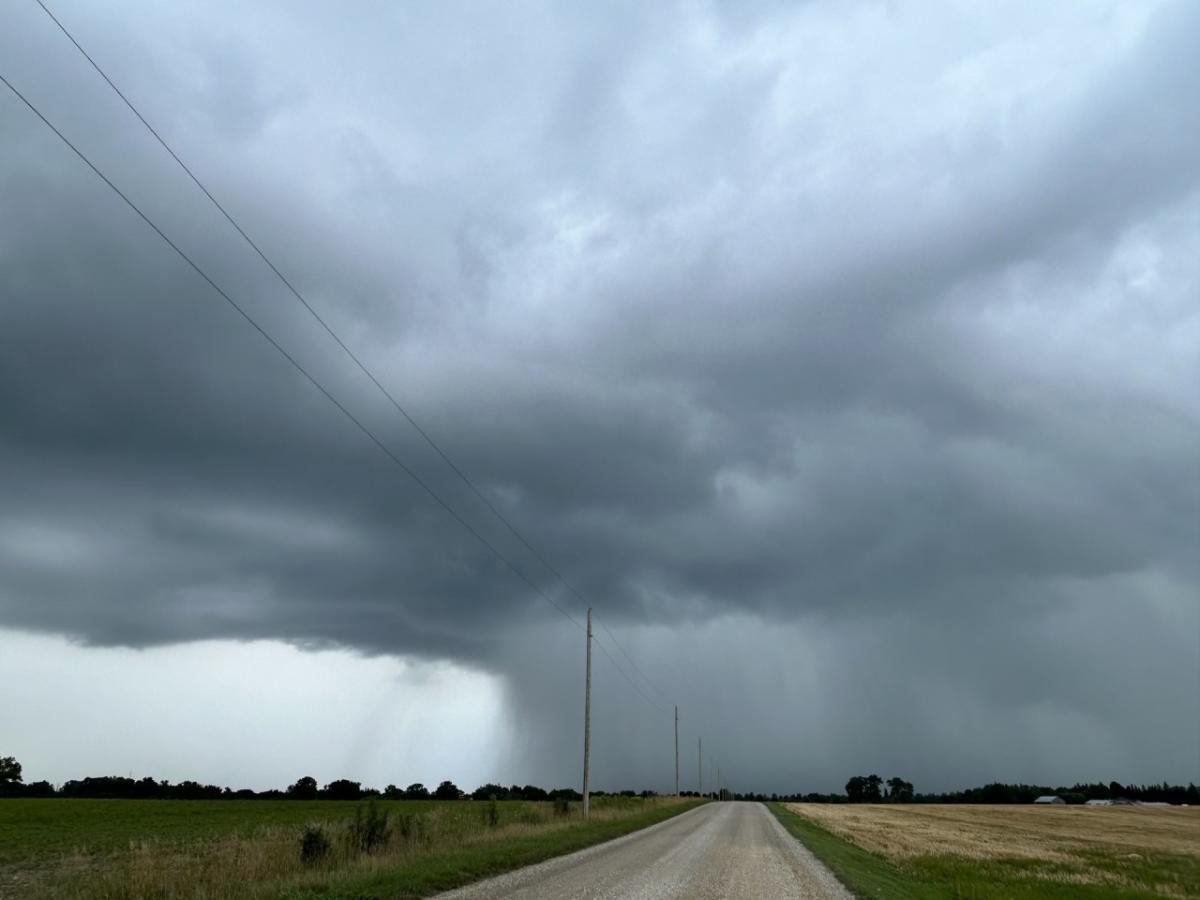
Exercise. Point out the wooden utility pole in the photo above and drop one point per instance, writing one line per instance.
(587, 716)
(720, 793)
(700, 765)
(676, 751)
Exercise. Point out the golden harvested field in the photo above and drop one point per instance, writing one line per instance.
(1129, 846)
(900, 832)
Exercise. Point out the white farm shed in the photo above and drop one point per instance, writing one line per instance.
(1049, 799)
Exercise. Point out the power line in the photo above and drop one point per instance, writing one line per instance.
(291, 359)
(632, 683)
(631, 662)
(337, 339)
(358, 423)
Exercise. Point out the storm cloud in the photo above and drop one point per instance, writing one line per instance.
(846, 357)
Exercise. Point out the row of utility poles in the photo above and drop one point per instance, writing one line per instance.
(722, 793)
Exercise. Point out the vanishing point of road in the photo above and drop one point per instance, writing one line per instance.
(714, 852)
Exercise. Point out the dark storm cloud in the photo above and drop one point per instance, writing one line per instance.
(761, 323)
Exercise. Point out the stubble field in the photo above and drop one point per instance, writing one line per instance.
(1114, 851)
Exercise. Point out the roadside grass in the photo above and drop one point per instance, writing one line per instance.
(865, 874)
(250, 850)
(454, 868)
(1090, 874)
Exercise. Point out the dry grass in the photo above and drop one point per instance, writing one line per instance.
(993, 832)
(267, 862)
(1155, 850)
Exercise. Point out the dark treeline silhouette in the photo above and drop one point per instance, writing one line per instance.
(1077, 793)
(859, 789)
(306, 788)
(118, 787)
(873, 789)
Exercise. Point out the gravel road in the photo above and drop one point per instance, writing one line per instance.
(720, 850)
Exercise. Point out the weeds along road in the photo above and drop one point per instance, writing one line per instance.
(720, 850)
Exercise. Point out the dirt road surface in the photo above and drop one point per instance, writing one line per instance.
(718, 851)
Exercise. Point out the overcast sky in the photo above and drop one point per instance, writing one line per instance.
(844, 356)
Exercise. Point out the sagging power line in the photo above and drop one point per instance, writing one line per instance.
(354, 358)
(508, 563)
(309, 377)
(250, 320)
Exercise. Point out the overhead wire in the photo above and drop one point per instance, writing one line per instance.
(358, 423)
(632, 683)
(635, 666)
(479, 494)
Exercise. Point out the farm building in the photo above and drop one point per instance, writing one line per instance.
(1048, 799)
(1099, 803)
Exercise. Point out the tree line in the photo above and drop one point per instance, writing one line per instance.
(859, 789)
(873, 789)
(305, 788)
(1078, 793)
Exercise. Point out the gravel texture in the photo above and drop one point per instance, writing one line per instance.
(720, 850)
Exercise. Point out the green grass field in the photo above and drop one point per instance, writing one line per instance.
(137, 849)
(33, 829)
(1093, 875)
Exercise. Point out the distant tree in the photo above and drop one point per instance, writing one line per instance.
(39, 789)
(343, 789)
(416, 791)
(304, 789)
(447, 790)
(996, 793)
(193, 790)
(488, 791)
(864, 789)
(391, 792)
(105, 786)
(533, 792)
(899, 790)
(147, 787)
(70, 788)
(10, 775)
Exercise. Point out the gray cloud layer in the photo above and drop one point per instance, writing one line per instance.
(865, 337)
